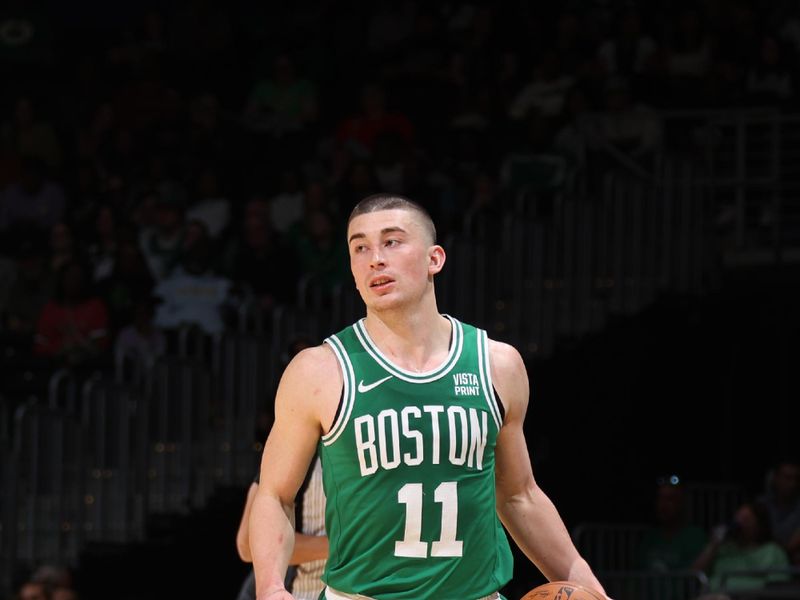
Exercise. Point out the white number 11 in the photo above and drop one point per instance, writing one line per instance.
(446, 494)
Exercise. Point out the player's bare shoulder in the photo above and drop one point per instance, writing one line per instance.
(312, 382)
(509, 376)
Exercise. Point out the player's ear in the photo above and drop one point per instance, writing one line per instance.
(436, 259)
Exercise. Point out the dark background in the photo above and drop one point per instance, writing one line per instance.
(698, 383)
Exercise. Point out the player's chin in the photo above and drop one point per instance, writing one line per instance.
(382, 300)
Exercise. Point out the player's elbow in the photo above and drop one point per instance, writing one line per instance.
(243, 548)
(508, 497)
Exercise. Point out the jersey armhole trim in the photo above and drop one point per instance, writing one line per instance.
(485, 369)
(348, 391)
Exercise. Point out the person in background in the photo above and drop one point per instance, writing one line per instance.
(35, 200)
(162, 243)
(744, 545)
(31, 289)
(194, 294)
(782, 499)
(59, 579)
(33, 590)
(672, 542)
(140, 341)
(73, 326)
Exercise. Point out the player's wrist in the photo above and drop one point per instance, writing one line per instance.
(270, 593)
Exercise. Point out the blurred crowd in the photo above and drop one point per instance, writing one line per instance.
(160, 162)
(756, 549)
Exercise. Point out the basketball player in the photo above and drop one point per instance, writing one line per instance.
(419, 423)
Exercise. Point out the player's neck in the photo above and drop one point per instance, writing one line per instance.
(417, 341)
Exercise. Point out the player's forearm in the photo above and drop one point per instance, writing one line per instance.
(271, 542)
(308, 548)
(534, 523)
(704, 560)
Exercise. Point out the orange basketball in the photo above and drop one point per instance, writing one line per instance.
(562, 590)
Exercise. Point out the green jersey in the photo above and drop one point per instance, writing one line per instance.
(408, 469)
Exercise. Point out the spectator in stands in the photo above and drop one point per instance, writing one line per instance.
(28, 134)
(141, 341)
(317, 196)
(259, 260)
(286, 207)
(770, 79)
(629, 130)
(32, 590)
(575, 128)
(210, 205)
(672, 542)
(162, 244)
(534, 173)
(35, 200)
(102, 243)
(546, 91)
(282, 102)
(63, 247)
(128, 280)
(94, 137)
(73, 328)
(746, 544)
(194, 294)
(484, 214)
(358, 181)
(686, 56)
(629, 52)
(782, 499)
(210, 136)
(58, 578)
(320, 251)
(31, 290)
(416, 70)
(389, 161)
(573, 42)
(359, 131)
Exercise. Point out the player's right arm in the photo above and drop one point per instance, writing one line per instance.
(524, 509)
(306, 547)
(307, 398)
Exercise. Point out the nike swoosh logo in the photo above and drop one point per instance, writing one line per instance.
(365, 388)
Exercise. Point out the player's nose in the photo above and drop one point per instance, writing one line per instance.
(377, 259)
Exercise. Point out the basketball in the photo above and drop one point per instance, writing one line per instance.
(562, 590)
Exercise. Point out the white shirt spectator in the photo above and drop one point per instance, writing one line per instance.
(193, 300)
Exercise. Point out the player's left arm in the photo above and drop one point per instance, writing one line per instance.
(524, 509)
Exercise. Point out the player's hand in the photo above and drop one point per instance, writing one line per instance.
(719, 533)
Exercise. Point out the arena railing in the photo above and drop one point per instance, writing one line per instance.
(679, 584)
(774, 583)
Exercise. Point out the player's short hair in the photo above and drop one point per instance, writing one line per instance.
(384, 201)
